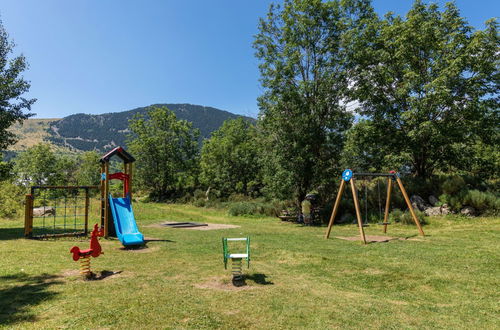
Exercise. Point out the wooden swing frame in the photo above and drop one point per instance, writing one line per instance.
(348, 176)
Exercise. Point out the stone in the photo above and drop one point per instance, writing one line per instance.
(445, 209)
(418, 203)
(468, 211)
(44, 211)
(433, 200)
(433, 211)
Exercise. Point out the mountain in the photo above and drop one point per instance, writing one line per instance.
(83, 132)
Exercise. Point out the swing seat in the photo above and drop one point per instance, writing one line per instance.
(384, 223)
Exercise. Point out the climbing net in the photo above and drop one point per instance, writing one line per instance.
(59, 210)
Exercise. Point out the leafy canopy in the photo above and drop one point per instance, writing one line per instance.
(426, 82)
(12, 86)
(166, 150)
(229, 159)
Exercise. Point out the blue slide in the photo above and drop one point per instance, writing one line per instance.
(125, 225)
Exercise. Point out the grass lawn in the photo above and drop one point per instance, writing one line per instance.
(297, 279)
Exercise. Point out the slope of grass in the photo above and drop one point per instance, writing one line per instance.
(297, 279)
(30, 133)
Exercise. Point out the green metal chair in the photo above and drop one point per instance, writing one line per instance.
(236, 258)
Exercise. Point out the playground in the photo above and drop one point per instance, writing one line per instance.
(296, 279)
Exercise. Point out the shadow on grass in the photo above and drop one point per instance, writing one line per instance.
(11, 233)
(25, 292)
(258, 278)
(145, 245)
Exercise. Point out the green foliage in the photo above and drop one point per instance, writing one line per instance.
(88, 169)
(12, 87)
(166, 150)
(302, 67)
(453, 185)
(5, 169)
(229, 159)
(426, 82)
(251, 208)
(11, 200)
(483, 202)
(405, 218)
(39, 165)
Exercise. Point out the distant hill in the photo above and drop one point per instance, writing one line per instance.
(84, 132)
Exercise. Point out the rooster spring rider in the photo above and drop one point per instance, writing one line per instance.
(94, 251)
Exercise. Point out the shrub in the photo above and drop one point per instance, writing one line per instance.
(483, 202)
(253, 208)
(405, 217)
(453, 185)
(11, 200)
(199, 194)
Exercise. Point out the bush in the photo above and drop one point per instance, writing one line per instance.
(483, 202)
(405, 217)
(199, 194)
(453, 185)
(11, 200)
(252, 208)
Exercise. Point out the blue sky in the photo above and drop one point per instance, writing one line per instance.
(98, 56)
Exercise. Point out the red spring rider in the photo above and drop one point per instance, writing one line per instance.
(94, 251)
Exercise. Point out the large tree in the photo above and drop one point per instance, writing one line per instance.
(427, 82)
(13, 107)
(229, 159)
(166, 150)
(302, 110)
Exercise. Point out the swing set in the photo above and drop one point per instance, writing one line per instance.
(349, 176)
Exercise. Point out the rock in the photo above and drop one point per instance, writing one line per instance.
(468, 211)
(433, 200)
(44, 211)
(418, 203)
(433, 211)
(445, 209)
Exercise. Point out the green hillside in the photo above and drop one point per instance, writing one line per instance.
(83, 132)
(102, 132)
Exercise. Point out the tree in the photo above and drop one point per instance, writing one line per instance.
(302, 110)
(39, 165)
(166, 150)
(88, 169)
(426, 82)
(12, 87)
(229, 159)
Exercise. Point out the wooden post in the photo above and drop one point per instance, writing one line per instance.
(358, 212)
(106, 201)
(335, 208)
(86, 210)
(413, 215)
(28, 216)
(387, 203)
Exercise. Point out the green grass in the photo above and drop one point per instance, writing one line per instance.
(297, 279)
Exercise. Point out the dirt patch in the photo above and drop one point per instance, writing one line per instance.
(222, 285)
(371, 239)
(210, 226)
